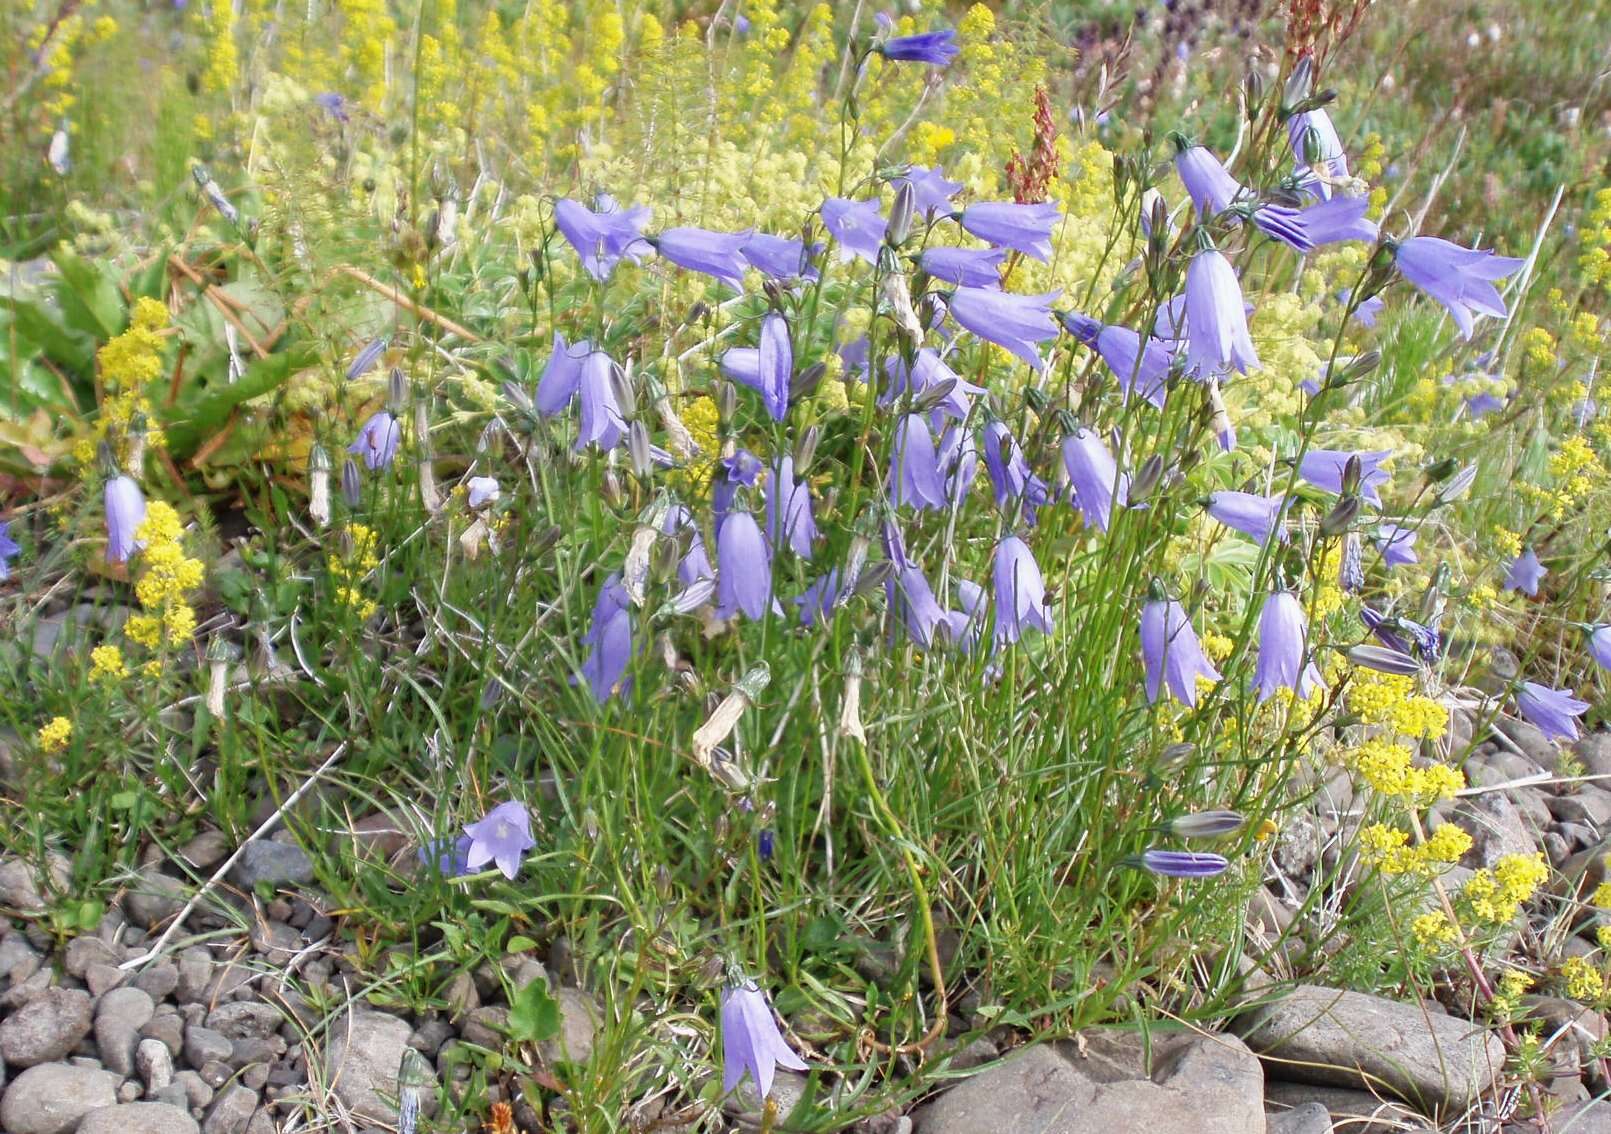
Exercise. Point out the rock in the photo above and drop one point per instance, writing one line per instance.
(101, 979)
(27, 992)
(275, 940)
(85, 951)
(272, 863)
(1577, 1030)
(241, 1018)
(362, 1054)
(154, 1062)
(1102, 1085)
(1496, 828)
(1348, 1039)
(153, 897)
(1531, 740)
(195, 974)
(485, 1027)
(1594, 753)
(1556, 849)
(460, 995)
(168, 1028)
(1306, 1118)
(744, 1103)
(1589, 805)
(203, 1045)
(18, 959)
(51, 1098)
(46, 1028)
(245, 1052)
(21, 887)
(231, 1111)
(1592, 1117)
(377, 835)
(138, 1118)
(1352, 1112)
(198, 1092)
(129, 1091)
(119, 1016)
(578, 1023)
(158, 981)
(206, 850)
(215, 1073)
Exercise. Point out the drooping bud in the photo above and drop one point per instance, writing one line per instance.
(1341, 516)
(899, 226)
(352, 485)
(1383, 660)
(639, 448)
(1146, 478)
(1458, 486)
(1205, 824)
(396, 391)
(806, 448)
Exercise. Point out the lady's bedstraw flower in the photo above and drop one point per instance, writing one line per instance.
(1020, 591)
(719, 255)
(54, 734)
(858, 226)
(1397, 545)
(1023, 228)
(1283, 634)
(1324, 468)
(1171, 653)
(377, 441)
(609, 640)
(502, 837)
(603, 239)
(1010, 474)
(1217, 338)
(1119, 348)
(1552, 710)
(1255, 516)
(1016, 322)
(936, 48)
(968, 267)
(8, 550)
(751, 1042)
(1095, 482)
(743, 568)
(106, 663)
(1458, 278)
(1525, 573)
(767, 369)
(125, 511)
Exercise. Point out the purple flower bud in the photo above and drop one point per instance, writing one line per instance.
(751, 1041)
(958, 459)
(936, 48)
(1254, 516)
(818, 599)
(1016, 322)
(1554, 711)
(1324, 469)
(365, 359)
(1351, 571)
(1283, 633)
(1171, 654)
(377, 441)
(125, 511)
(1525, 573)
(858, 226)
(1020, 591)
(969, 267)
(603, 239)
(8, 550)
(716, 254)
(1094, 478)
(743, 568)
(1217, 338)
(609, 640)
(601, 421)
(1183, 864)
(1458, 278)
(502, 837)
(1289, 226)
(1024, 228)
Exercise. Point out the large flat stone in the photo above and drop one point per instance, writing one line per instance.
(1324, 1035)
(1194, 1085)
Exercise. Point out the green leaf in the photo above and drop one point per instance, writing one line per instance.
(520, 944)
(72, 350)
(89, 297)
(196, 419)
(533, 1014)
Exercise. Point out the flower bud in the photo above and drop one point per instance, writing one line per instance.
(1300, 82)
(1146, 478)
(1174, 756)
(516, 396)
(352, 485)
(1383, 660)
(639, 449)
(1343, 514)
(1205, 824)
(1459, 486)
(727, 401)
(621, 386)
(805, 382)
(806, 448)
(900, 215)
(396, 391)
(319, 485)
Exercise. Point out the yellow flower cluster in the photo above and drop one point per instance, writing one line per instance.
(128, 362)
(348, 570)
(107, 664)
(1434, 930)
(167, 578)
(1388, 849)
(1511, 987)
(54, 734)
(1595, 260)
(1538, 349)
(1390, 699)
(223, 60)
(1581, 980)
(1495, 895)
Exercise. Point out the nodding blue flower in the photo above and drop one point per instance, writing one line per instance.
(1120, 348)
(1171, 654)
(1552, 710)
(780, 258)
(561, 376)
(1324, 469)
(1525, 573)
(1216, 320)
(125, 511)
(377, 441)
(480, 490)
(1095, 482)
(1368, 309)
(958, 458)
(332, 104)
(767, 369)
(1338, 219)
(927, 371)
(751, 1042)
(965, 626)
(1020, 591)
(743, 568)
(931, 190)
(1183, 864)
(1421, 639)
(719, 255)
(911, 599)
(364, 361)
(8, 550)
(936, 48)
(1351, 570)
(915, 476)
(501, 837)
(694, 566)
(609, 640)
(858, 226)
(1010, 474)
(1255, 516)
(1397, 545)
(1600, 645)
(740, 470)
(1024, 228)
(1016, 322)
(1461, 279)
(1289, 226)
(1329, 162)
(448, 857)
(603, 239)
(1207, 183)
(969, 267)
(601, 421)
(788, 510)
(1283, 641)
(817, 601)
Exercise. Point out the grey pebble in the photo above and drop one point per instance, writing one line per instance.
(119, 1016)
(154, 1062)
(159, 981)
(204, 1044)
(231, 1111)
(46, 1028)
